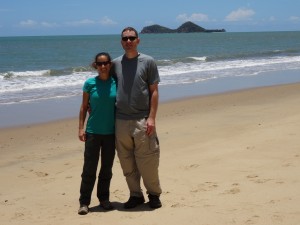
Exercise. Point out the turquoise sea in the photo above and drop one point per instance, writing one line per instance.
(38, 69)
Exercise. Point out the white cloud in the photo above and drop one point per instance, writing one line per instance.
(196, 17)
(83, 22)
(87, 22)
(294, 18)
(240, 14)
(46, 24)
(28, 23)
(149, 22)
(34, 24)
(5, 10)
(272, 18)
(107, 21)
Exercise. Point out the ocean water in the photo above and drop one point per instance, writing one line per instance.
(53, 67)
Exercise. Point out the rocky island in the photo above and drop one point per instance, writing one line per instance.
(187, 27)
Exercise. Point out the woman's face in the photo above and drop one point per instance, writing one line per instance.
(103, 64)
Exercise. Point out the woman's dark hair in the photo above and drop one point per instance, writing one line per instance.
(103, 53)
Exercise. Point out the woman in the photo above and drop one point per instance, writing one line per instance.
(99, 93)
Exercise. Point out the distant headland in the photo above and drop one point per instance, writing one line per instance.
(187, 27)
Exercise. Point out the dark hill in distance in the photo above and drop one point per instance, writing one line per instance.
(187, 27)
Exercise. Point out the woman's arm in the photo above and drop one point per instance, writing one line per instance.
(82, 115)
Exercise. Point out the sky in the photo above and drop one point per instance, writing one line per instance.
(96, 17)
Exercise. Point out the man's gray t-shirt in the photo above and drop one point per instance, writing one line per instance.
(134, 77)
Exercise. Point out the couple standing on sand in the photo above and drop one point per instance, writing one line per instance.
(123, 101)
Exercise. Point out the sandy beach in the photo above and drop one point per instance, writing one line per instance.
(231, 158)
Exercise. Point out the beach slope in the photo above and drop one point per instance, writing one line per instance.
(231, 158)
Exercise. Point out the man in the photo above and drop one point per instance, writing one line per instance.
(136, 106)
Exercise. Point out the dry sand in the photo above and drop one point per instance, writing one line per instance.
(230, 158)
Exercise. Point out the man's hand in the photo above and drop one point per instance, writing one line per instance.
(150, 126)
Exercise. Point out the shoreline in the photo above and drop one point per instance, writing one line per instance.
(22, 114)
(225, 158)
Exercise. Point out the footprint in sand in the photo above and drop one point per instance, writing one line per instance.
(287, 165)
(232, 191)
(255, 179)
(192, 166)
(277, 218)
(261, 181)
(207, 186)
(18, 215)
(177, 205)
(274, 201)
(250, 147)
(252, 220)
(252, 176)
(41, 174)
(118, 193)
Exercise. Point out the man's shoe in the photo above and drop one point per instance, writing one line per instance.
(107, 205)
(83, 210)
(154, 201)
(133, 202)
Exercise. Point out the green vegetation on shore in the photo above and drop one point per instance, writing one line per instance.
(187, 27)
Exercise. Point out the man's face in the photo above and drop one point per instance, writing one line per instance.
(129, 40)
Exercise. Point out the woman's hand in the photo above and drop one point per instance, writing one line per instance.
(81, 134)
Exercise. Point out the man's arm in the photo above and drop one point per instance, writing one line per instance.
(153, 108)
